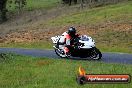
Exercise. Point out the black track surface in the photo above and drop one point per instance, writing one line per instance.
(107, 57)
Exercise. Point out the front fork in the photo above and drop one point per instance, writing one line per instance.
(57, 47)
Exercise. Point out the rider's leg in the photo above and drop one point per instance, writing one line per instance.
(67, 51)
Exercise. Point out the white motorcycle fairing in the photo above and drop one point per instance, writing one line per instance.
(55, 39)
(87, 41)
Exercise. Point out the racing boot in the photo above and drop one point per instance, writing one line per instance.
(67, 54)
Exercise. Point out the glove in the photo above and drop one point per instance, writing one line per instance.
(76, 47)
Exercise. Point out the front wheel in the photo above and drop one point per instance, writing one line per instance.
(95, 54)
(59, 53)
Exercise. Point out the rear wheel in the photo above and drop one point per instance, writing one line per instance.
(95, 54)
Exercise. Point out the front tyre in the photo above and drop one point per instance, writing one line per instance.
(95, 54)
(59, 53)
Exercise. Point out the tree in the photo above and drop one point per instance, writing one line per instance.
(69, 1)
(65, 1)
(3, 10)
(20, 4)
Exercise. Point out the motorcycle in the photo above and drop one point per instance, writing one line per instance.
(84, 48)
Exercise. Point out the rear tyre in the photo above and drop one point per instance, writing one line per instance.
(96, 54)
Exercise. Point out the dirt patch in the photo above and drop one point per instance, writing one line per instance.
(44, 35)
(43, 62)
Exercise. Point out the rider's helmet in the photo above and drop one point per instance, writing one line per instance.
(72, 31)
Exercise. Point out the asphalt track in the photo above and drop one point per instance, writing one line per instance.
(121, 58)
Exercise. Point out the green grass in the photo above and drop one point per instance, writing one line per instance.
(36, 4)
(38, 45)
(114, 41)
(33, 4)
(119, 12)
(29, 72)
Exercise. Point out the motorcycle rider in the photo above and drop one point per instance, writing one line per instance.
(67, 40)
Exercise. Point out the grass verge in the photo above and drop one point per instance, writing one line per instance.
(37, 45)
(28, 72)
(36, 4)
(118, 12)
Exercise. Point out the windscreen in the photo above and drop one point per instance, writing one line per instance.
(84, 38)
